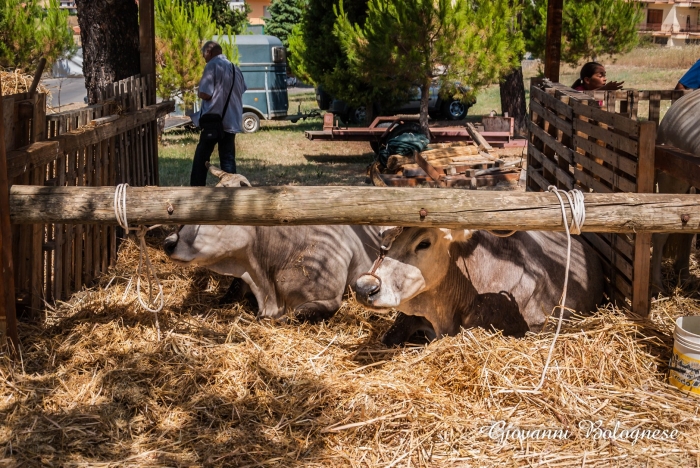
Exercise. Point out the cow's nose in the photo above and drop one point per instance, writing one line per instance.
(170, 243)
(367, 285)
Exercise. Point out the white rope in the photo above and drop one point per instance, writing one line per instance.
(578, 215)
(154, 304)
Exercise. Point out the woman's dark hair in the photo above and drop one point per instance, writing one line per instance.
(587, 71)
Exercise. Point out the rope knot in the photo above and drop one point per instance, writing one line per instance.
(578, 208)
(154, 304)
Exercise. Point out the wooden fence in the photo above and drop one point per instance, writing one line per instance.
(637, 104)
(574, 143)
(109, 143)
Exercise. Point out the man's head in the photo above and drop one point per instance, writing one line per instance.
(211, 49)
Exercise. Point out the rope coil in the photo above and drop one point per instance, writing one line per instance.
(154, 304)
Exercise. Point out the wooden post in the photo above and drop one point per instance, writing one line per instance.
(147, 45)
(147, 39)
(8, 318)
(641, 291)
(552, 55)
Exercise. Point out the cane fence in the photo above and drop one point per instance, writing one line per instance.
(111, 142)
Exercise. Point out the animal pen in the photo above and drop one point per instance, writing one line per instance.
(596, 141)
(65, 235)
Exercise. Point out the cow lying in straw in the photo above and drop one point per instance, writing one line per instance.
(301, 269)
(442, 279)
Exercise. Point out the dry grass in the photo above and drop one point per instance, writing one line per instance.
(96, 388)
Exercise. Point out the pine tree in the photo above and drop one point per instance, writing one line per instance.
(464, 44)
(317, 57)
(28, 33)
(591, 28)
(181, 30)
(224, 16)
(284, 15)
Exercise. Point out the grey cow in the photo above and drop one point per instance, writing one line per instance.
(678, 128)
(302, 269)
(442, 279)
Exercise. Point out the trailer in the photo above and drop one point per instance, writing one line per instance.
(498, 131)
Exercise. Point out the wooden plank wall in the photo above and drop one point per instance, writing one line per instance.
(574, 143)
(627, 102)
(54, 261)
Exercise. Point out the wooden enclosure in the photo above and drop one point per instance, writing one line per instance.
(598, 142)
(112, 142)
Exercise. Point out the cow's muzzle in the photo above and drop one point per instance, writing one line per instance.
(170, 243)
(367, 286)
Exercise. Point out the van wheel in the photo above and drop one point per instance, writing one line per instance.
(251, 122)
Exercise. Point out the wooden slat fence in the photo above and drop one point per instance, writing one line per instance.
(638, 104)
(574, 143)
(53, 261)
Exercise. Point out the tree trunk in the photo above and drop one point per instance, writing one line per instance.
(513, 99)
(424, 102)
(109, 31)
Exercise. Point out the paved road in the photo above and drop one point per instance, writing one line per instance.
(72, 90)
(66, 90)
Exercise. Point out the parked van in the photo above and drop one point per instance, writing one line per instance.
(263, 61)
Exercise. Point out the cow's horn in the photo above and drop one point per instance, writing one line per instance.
(215, 171)
(241, 180)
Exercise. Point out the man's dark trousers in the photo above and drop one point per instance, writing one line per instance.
(227, 157)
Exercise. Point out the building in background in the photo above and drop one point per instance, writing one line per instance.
(256, 17)
(671, 22)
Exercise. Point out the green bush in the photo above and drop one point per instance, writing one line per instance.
(29, 32)
(181, 31)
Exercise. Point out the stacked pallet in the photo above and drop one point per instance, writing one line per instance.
(457, 164)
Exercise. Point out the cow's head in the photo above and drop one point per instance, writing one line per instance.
(413, 260)
(207, 244)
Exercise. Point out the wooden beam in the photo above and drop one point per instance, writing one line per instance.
(286, 206)
(552, 54)
(147, 46)
(641, 286)
(8, 316)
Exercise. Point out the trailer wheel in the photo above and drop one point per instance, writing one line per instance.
(408, 127)
(376, 145)
(251, 122)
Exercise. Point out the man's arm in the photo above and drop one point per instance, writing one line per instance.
(204, 96)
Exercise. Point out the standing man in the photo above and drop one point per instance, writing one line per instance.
(221, 90)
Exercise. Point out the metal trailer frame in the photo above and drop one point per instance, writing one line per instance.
(381, 127)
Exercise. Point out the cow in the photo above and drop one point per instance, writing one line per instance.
(678, 128)
(304, 270)
(444, 279)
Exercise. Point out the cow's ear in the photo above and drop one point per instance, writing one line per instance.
(457, 235)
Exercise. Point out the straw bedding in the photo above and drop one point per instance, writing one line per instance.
(96, 388)
(15, 82)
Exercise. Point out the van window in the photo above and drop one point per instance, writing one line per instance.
(278, 54)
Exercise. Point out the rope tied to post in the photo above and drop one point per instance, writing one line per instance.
(578, 217)
(154, 304)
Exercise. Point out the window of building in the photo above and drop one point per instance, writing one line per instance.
(655, 16)
(266, 12)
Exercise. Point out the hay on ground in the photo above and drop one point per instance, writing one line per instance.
(94, 387)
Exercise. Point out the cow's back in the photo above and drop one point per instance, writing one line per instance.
(530, 265)
(679, 126)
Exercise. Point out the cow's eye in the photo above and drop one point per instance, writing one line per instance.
(423, 245)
